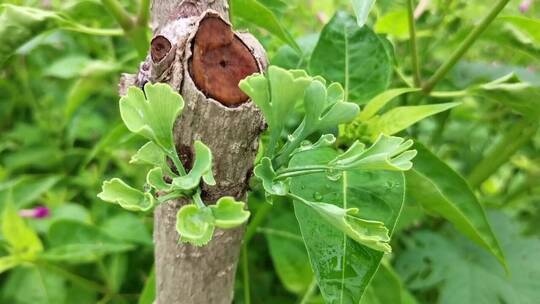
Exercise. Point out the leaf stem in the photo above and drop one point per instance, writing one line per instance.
(119, 13)
(464, 46)
(144, 12)
(413, 46)
(512, 141)
(197, 198)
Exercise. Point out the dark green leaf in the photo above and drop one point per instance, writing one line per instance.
(341, 56)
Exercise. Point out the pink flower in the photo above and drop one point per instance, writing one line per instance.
(525, 5)
(36, 213)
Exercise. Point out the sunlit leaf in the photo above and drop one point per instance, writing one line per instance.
(149, 154)
(265, 172)
(362, 9)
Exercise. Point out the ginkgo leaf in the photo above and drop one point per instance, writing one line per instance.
(202, 169)
(149, 154)
(153, 115)
(372, 234)
(275, 102)
(325, 140)
(118, 192)
(155, 179)
(229, 213)
(387, 153)
(265, 172)
(195, 225)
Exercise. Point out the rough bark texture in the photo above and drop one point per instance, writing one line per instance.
(185, 273)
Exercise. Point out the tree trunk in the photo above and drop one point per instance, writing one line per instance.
(195, 51)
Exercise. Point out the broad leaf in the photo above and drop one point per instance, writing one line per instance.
(265, 172)
(464, 273)
(195, 225)
(20, 24)
(400, 118)
(288, 251)
(342, 266)
(22, 241)
(229, 213)
(362, 9)
(378, 102)
(254, 12)
(76, 242)
(440, 190)
(202, 169)
(117, 192)
(128, 227)
(26, 189)
(340, 56)
(509, 90)
(8, 262)
(152, 113)
(386, 287)
(527, 26)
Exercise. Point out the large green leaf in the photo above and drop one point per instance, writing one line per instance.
(28, 188)
(254, 12)
(20, 24)
(463, 273)
(362, 9)
(75, 242)
(385, 288)
(342, 266)
(441, 190)
(288, 251)
(355, 57)
(509, 90)
(118, 192)
(528, 26)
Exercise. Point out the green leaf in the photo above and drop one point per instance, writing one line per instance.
(372, 234)
(324, 109)
(362, 9)
(378, 102)
(326, 140)
(528, 26)
(395, 24)
(275, 102)
(202, 169)
(195, 225)
(153, 115)
(117, 192)
(22, 241)
(254, 12)
(440, 190)
(8, 262)
(265, 172)
(464, 273)
(386, 287)
(149, 154)
(287, 250)
(28, 188)
(148, 295)
(400, 118)
(509, 90)
(154, 178)
(342, 266)
(19, 24)
(229, 213)
(340, 56)
(129, 228)
(76, 242)
(34, 285)
(387, 153)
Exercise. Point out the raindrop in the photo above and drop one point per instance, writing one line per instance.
(333, 175)
(317, 196)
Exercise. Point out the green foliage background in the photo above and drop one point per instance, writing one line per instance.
(61, 136)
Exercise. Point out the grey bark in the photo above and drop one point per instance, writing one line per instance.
(185, 273)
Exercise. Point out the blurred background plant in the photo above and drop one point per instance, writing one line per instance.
(61, 135)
